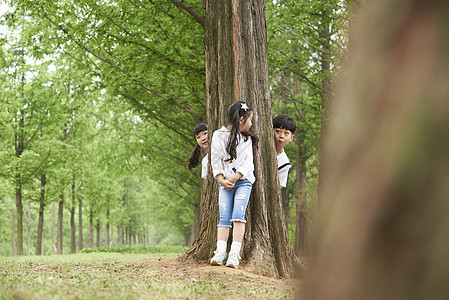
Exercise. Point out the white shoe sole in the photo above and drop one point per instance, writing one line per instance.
(232, 266)
(215, 263)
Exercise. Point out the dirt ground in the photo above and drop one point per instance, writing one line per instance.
(188, 271)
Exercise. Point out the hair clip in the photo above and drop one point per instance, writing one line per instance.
(244, 107)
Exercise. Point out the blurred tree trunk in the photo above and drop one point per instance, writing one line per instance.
(40, 224)
(59, 246)
(98, 233)
(13, 231)
(72, 220)
(29, 230)
(80, 224)
(237, 69)
(53, 230)
(19, 214)
(107, 227)
(384, 206)
(91, 229)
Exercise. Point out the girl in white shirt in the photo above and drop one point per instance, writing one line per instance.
(233, 167)
(201, 136)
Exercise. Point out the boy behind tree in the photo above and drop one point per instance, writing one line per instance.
(284, 128)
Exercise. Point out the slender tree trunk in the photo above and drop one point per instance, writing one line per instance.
(40, 224)
(53, 229)
(384, 211)
(13, 231)
(98, 234)
(72, 231)
(19, 209)
(91, 229)
(60, 224)
(80, 224)
(119, 235)
(72, 220)
(107, 227)
(29, 230)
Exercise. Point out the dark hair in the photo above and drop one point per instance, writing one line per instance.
(195, 156)
(284, 122)
(236, 110)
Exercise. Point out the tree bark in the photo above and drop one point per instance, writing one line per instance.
(53, 231)
(98, 234)
(80, 224)
(19, 209)
(384, 211)
(91, 229)
(59, 247)
(107, 227)
(72, 220)
(29, 230)
(40, 224)
(13, 231)
(237, 69)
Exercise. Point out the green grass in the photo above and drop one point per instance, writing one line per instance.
(104, 275)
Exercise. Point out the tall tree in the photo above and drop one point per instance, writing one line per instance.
(384, 208)
(236, 69)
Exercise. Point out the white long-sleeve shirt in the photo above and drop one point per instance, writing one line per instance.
(283, 167)
(242, 164)
(204, 166)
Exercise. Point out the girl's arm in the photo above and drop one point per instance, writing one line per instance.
(226, 183)
(235, 177)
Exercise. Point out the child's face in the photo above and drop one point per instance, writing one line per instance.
(246, 125)
(282, 137)
(201, 139)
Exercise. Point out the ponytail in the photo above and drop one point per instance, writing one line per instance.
(194, 157)
(196, 153)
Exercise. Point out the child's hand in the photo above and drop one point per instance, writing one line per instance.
(227, 184)
(224, 182)
(235, 177)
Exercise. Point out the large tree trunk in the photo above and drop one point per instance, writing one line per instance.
(59, 246)
(236, 69)
(40, 223)
(384, 207)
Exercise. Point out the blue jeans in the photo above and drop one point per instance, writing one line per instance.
(232, 203)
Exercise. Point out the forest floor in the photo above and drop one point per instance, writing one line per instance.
(132, 276)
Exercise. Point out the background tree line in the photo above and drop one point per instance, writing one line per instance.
(98, 103)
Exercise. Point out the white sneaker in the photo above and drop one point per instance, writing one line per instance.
(219, 258)
(233, 260)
